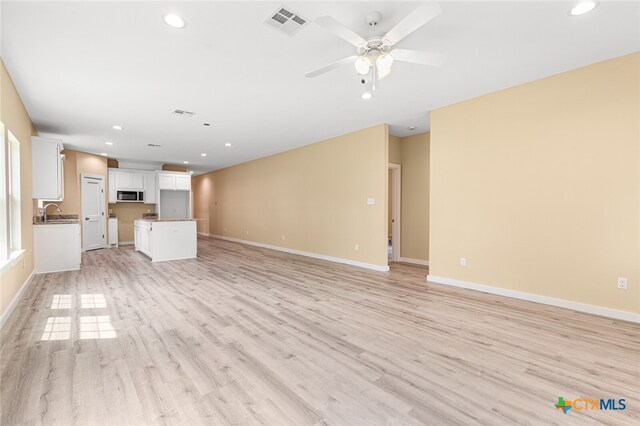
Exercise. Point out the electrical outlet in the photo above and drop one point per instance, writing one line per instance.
(463, 262)
(622, 283)
(357, 247)
(283, 238)
(247, 232)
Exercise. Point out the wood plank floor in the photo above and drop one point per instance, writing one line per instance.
(243, 335)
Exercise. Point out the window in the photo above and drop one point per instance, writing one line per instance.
(15, 212)
(4, 219)
(10, 203)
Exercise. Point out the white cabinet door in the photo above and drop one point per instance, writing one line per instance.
(166, 181)
(47, 169)
(123, 180)
(112, 186)
(150, 193)
(183, 183)
(137, 181)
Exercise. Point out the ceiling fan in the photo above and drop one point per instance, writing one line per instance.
(375, 55)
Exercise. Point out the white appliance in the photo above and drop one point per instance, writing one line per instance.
(113, 231)
(130, 196)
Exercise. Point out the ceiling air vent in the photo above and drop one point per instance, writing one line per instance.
(183, 113)
(286, 21)
(154, 145)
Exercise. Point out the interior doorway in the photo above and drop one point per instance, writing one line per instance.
(395, 193)
(94, 228)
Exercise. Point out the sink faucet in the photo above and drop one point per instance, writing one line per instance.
(44, 209)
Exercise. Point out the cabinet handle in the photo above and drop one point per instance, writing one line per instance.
(86, 218)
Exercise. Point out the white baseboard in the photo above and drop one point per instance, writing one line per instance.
(203, 234)
(414, 261)
(546, 300)
(307, 254)
(14, 302)
(125, 243)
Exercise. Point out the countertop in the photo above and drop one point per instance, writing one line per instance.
(165, 220)
(58, 219)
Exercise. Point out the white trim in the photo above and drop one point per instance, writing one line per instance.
(306, 253)
(125, 243)
(546, 300)
(203, 234)
(12, 261)
(414, 261)
(14, 302)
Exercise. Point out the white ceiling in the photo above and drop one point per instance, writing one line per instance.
(81, 67)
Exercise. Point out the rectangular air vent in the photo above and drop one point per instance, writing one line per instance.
(183, 113)
(154, 145)
(286, 21)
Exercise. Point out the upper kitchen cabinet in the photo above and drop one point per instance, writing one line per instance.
(47, 169)
(174, 181)
(126, 180)
(150, 192)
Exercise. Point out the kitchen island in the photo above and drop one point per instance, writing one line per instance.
(166, 239)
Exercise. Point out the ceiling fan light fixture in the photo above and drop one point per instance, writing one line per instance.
(362, 64)
(384, 61)
(383, 74)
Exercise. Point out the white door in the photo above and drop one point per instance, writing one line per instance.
(93, 218)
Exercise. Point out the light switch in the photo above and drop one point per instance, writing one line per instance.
(371, 201)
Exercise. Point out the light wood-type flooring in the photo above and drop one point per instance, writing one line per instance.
(244, 335)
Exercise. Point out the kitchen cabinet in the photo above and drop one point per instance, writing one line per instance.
(174, 181)
(129, 180)
(142, 236)
(183, 183)
(56, 247)
(150, 192)
(166, 240)
(112, 187)
(47, 165)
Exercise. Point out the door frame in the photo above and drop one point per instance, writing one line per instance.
(103, 220)
(396, 203)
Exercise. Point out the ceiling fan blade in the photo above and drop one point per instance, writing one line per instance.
(418, 57)
(335, 27)
(412, 22)
(331, 66)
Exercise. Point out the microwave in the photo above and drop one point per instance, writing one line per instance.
(130, 196)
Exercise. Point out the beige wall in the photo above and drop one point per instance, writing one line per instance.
(316, 196)
(16, 120)
(538, 186)
(415, 197)
(126, 213)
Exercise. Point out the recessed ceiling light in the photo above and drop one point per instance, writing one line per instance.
(412, 128)
(366, 96)
(185, 162)
(203, 155)
(174, 21)
(104, 154)
(108, 143)
(227, 144)
(583, 7)
(117, 127)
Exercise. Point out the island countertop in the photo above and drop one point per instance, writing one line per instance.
(165, 220)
